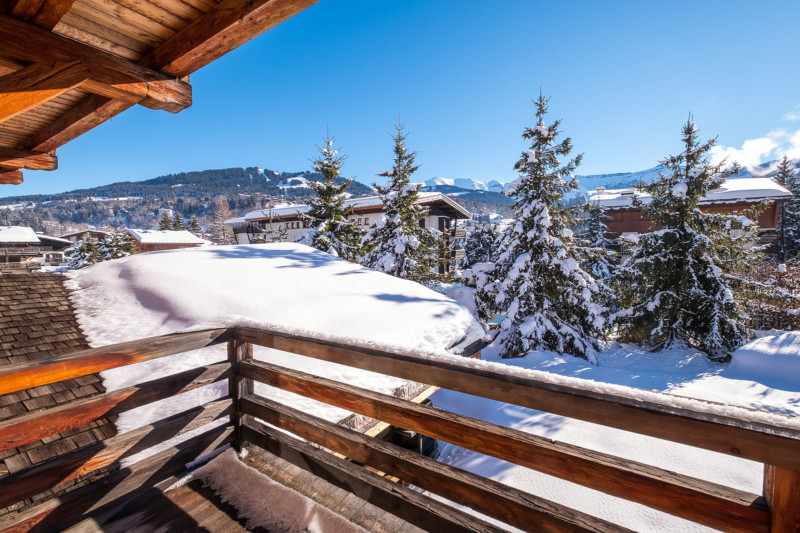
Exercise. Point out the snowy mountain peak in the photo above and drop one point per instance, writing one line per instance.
(468, 184)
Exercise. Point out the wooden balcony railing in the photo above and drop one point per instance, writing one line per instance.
(263, 423)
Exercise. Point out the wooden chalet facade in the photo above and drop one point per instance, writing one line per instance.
(78, 236)
(22, 249)
(285, 225)
(625, 218)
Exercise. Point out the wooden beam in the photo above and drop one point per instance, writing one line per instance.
(403, 502)
(701, 425)
(44, 13)
(239, 386)
(510, 505)
(31, 374)
(706, 503)
(10, 176)
(36, 84)
(12, 158)
(82, 117)
(111, 76)
(782, 491)
(41, 424)
(54, 473)
(228, 25)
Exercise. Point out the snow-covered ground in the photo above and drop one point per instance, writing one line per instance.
(763, 375)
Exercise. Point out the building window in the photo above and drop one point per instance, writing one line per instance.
(366, 221)
(422, 223)
(359, 221)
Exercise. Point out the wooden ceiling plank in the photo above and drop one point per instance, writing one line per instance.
(144, 38)
(110, 76)
(12, 158)
(225, 27)
(87, 114)
(89, 26)
(121, 12)
(95, 41)
(10, 176)
(182, 9)
(156, 13)
(36, 84)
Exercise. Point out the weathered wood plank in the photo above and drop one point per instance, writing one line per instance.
(239, 385)
(405, 503)
(36, 373)
(50, 475)
(129, 483)
(225, 27)
(10, 157)
(38, 425)
(683, 496)
(782, 491)
(700, 426)
(35, 84)
(489, 497)
(111, 76)
(10, 176)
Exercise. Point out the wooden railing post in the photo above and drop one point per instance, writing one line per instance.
(239, 386)
(782, 492)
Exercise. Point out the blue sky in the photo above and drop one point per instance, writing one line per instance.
(623, 77)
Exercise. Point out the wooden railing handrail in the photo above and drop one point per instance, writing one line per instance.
(699, 426)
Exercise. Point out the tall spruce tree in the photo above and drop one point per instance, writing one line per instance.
(479, 244)
(177, 222)
(194, 227)
(398, 245)
(674, 286)
(788, 229)
(166, 221)
(598, 254)
(331, 231)
(536, 281)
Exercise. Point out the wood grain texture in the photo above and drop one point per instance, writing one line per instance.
(782, 491)
(409, 505)
(10, 157)
(696, 500)
(10, 176)
(35, 84)
(36, 373)
(512, 506)
(699, 426)
(111, 76)
(52, 474)
(51, 12)
(239, 386)
(225, 27)
(38, 425)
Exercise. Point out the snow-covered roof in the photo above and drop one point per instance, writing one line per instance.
(733, 190)
(81, 232)
(18, 234)
(355, 203)
(156, 236)
(54, 239)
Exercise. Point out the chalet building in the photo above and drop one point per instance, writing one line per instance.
(734, 195)
(78, 236)
(151, 240)
(22, 249)
(284, 224)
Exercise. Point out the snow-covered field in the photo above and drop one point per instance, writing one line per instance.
(763, 375)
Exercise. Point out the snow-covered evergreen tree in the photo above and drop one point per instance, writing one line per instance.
(177, 222)
(674, 286)
(597, 254)
(118, 244)
(536, 281)
(82, 254)
(166, 222)
(398, 245)
(788, 229)
(330, 230)
(479, 244)
(194, 227)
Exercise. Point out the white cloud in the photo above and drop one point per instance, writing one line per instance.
(794, 114)
(756, 151)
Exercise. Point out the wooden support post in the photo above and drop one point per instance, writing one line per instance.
(239, 386)
(782, 492)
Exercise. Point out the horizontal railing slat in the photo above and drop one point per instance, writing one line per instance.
(683, 496)
(512, 506)
(403, 502)
(31, 374)
(701, 426)
(38, 425)
(50, 475)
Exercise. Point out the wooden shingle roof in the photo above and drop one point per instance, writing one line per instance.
(37, 322)
(67, 66)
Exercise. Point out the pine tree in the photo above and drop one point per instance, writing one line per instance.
(536, 282)
(674, 286)
(177, 222)
(479, 244)
(597, 254)
(194, 227)
(397, 244)
(118, 244)
(82, 254)
(220, 232)
(788, 229)
(166, 222)
(330, 230)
